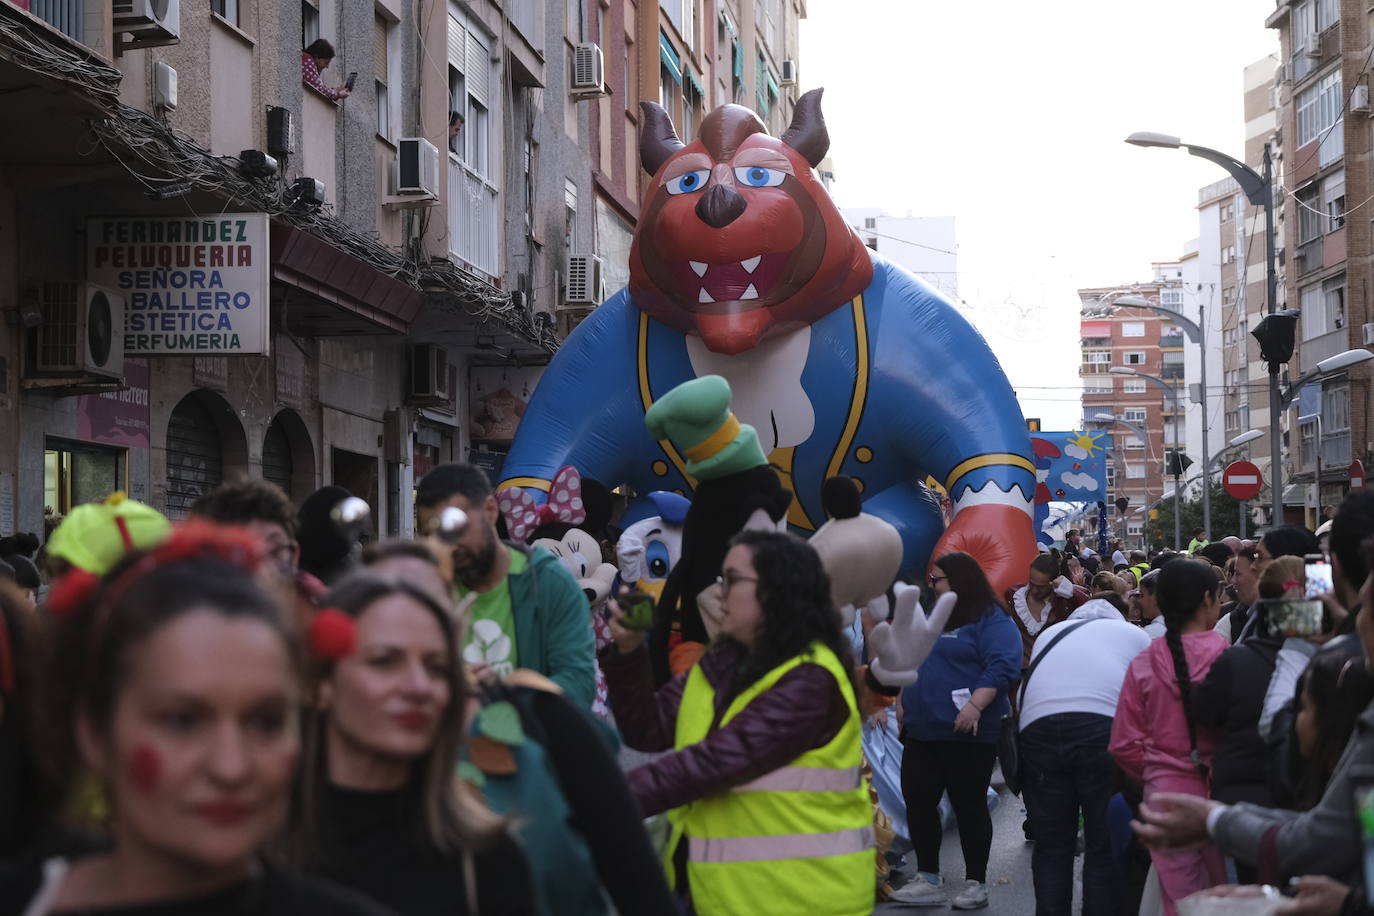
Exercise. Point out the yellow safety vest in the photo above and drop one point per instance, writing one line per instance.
(797, 840)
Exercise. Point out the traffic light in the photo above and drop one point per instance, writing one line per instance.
(1032, 424)
(1177, 464)
(1121, 504)
(1276, 334)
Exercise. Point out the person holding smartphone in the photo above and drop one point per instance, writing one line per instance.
(1321, 841)
(314, 61)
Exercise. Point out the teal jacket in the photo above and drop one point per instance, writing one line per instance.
(553, 627)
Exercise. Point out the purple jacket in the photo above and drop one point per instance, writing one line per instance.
(803, 710)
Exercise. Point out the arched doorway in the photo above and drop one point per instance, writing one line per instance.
(288, 457)
(205, 444)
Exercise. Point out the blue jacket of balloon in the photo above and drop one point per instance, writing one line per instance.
(897, 383)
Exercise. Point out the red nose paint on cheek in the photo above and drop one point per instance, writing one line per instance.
(145, 768)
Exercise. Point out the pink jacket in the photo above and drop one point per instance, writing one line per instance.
(1150, 734)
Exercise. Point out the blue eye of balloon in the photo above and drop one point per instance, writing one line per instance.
(656, 553)
(756, 176)
(686, 184)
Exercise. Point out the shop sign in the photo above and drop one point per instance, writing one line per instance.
(191, 285)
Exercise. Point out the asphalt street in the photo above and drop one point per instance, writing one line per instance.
(1010, 891)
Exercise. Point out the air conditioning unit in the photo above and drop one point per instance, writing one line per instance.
(1368, 331)
(148, 20)
(1359, 99)
(789, 73)
(428, 374)
(589, 72)
(583, 280)
(417, 167)
(82, 331)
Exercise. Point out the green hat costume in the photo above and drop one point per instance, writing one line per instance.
(96, 536)
(696, 417)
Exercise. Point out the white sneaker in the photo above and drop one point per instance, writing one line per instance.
(974, 896)
(920, 892)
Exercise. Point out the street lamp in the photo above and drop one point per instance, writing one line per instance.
(1175, 463)
(1258, 188)
(1327, 366)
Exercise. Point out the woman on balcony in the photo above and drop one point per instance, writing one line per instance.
(314, 61)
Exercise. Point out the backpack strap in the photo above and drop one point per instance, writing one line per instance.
(1035, 662)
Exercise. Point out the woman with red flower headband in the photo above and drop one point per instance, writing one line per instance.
(379, 807)
(174, 678)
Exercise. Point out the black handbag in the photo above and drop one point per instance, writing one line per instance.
(1008, 743)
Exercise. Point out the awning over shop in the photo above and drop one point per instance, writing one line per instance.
(345, 295)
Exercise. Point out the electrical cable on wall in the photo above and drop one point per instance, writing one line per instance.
(157, 148)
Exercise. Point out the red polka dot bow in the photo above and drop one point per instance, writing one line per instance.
(523, 514)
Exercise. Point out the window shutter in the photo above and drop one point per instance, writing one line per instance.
(457, 45)
(478, 70)
(379, 48)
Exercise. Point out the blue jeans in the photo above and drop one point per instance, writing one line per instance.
(1065, 769)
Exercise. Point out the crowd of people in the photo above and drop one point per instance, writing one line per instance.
(1203, 718)
(250, 712)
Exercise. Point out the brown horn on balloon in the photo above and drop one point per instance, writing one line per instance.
(807, 134)
(658, 139)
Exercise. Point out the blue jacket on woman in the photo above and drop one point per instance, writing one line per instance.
(985, 653)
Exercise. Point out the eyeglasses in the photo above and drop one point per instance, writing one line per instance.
(729, 580)
(934, 579)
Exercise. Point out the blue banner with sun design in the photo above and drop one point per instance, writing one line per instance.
(1069, 467)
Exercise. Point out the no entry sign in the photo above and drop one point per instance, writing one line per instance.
(1242, 479)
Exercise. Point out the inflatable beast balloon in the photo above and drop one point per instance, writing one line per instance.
(743, 267)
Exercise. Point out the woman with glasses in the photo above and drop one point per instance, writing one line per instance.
(763, 787)
(952, 717)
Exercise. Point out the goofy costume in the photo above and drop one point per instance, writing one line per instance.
(743, 267)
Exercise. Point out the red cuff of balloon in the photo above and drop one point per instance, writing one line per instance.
(1000, 538)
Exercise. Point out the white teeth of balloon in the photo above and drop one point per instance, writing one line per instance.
(750, 264)
(704, 296)
(750, 293)
(698, 268)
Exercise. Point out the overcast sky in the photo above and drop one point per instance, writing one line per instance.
(1010, 116)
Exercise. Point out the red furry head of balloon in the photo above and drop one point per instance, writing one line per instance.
(738, 240)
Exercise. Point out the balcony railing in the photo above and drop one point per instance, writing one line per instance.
(1319, 348)
(1171, 373)
(1308, 257)
(1094, 368)
(528, 17)
(67, 16)
(474, 221)
(1335, 452)
(1171, 340)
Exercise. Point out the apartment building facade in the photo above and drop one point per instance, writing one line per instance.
(1323, 136)
(1140, 420)
(384, 265)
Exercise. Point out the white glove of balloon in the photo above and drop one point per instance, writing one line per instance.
(708, 603)
(899, 647)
